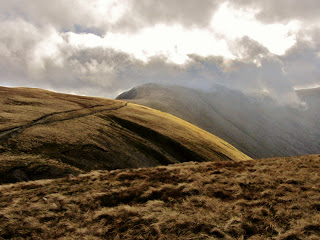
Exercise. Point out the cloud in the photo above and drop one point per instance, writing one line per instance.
(189, 13)
(247, 48)
(232, 23)
(99, 16)
(95, 16)
(102, 71)
(302, 64)
(282, 11)
(101, 48)
(176, 42)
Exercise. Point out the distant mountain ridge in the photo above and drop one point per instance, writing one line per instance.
(257, 126)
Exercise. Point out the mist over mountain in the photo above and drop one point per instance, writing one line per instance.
(257, 125)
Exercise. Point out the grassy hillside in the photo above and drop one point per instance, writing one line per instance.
(263, 199)
(46, 134)
(258, 127)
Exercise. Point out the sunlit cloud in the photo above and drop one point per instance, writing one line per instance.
(232, 24)
(48, 48)
(173, 42)
(108, 11)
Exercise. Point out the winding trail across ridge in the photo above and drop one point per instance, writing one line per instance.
(58, 117)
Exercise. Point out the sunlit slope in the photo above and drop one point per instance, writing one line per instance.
(275, 198)
(201, 142)
(93, 133)
(258, 126)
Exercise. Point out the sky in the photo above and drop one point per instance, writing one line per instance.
(104, 47)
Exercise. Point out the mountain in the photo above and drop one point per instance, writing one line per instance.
(312, 98)
(47, 135)
(258, 126)
(275, 198)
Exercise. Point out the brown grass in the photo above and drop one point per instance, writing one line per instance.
(265, 199)
(26, 167)
(94, 133)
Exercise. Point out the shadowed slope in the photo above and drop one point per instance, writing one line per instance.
(263, 199)
(87, 133)
(258, 127)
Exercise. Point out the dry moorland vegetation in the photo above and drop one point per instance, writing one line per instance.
(26, 167)
(263, 199)
(86, 133)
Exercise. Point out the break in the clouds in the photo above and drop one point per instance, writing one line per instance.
(102, 47)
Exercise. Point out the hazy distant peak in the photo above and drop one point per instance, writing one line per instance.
(130, 94)
(255, 123)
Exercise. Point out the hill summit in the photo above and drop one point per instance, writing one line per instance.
(256, 125)
(45, 135)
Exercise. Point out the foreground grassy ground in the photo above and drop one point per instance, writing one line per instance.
(275, 198)
(73, 134)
